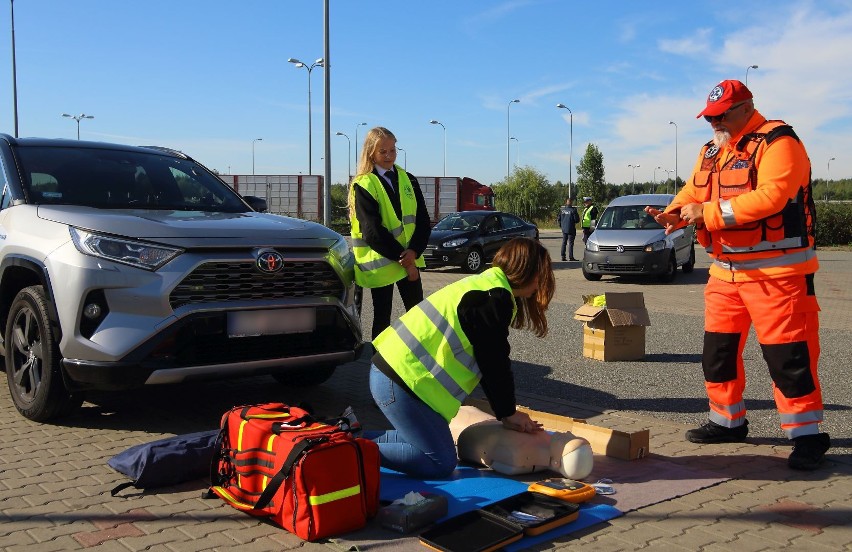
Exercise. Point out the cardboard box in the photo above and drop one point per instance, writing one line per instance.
(617, 330)
(624, 445)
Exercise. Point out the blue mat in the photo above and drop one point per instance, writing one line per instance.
(470, 489)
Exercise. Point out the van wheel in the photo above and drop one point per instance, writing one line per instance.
(690, 264)
(671, 270)
(473, 262)
(305, 377)
(32, 360)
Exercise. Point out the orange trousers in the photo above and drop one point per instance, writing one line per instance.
(785, 314)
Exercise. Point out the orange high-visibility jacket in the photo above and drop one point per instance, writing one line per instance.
(758, 209)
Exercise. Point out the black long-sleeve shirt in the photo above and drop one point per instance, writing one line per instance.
(485, 317)
(380, 240)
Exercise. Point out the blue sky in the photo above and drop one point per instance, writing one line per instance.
(208, 77)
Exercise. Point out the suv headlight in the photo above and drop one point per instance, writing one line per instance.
(656, 246)
(341, 251)
(454, 243)
(591, 245)
(125, 251)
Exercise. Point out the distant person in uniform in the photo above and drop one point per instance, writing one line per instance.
(567, 219)
(590, 215)
(390, 227)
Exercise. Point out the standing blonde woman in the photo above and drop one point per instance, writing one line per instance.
(390, 227)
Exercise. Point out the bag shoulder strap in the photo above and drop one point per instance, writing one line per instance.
(275, 482)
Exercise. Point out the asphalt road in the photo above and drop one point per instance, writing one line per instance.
(668, 383)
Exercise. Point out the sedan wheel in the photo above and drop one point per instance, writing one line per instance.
(690, 264)
(473, 262)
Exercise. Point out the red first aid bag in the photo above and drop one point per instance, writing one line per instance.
(311, 477)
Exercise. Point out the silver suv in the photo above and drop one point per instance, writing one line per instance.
(125, 266)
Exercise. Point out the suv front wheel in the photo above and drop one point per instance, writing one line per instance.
(32, 359)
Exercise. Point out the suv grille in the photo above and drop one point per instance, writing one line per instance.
(240, 281)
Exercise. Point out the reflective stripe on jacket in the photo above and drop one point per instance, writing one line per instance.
(430, 352)
(372, 269)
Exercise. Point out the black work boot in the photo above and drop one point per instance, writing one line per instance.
(711, 432)
(809, 451)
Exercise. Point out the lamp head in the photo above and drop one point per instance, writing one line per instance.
(320, 62)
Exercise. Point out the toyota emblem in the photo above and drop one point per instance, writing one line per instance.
(269, 262)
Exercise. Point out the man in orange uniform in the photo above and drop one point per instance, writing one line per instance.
(750, 199)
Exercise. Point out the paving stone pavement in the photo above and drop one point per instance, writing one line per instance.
(55, 483)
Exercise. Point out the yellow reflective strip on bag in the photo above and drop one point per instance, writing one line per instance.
(240, 444)
(336, 495)
(228, 497)
(268, 416)
(265, 480)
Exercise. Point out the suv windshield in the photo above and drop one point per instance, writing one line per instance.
(459, 222)
(628, 217)
(121, 179)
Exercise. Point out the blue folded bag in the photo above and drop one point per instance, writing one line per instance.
(166, 462)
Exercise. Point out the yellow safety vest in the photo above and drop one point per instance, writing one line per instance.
(587, 217)
(430, 352)
(372, 270)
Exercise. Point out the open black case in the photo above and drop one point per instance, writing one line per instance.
(501, 523)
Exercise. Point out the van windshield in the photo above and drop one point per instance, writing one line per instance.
(628, 217)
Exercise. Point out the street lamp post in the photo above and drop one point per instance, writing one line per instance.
(668, 172)
(747, 68)
(404, 158)
(518, 153)
(252, 152)
(77, 118)
(508, 135)
(14, 72)
(349, 153)
(434, 122)
(356, 144)
(317, 63)
(655, 175)
(634, 167)
(828, 177)
(571, 146)
(675, 178)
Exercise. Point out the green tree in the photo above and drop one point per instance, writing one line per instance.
(590, 175)
(528, 194)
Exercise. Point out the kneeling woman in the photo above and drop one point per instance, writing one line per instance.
(429, 360)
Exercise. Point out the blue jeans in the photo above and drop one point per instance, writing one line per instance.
(421, 445)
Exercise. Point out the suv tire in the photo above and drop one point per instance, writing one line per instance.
(32, 360)
(306, 377)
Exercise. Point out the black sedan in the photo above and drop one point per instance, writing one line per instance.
(470, 239)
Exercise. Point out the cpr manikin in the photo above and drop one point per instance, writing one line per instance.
(482, 439)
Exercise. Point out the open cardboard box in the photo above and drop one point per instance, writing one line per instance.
(615, 331)
(624, 445)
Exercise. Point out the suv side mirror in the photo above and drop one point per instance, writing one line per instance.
(256, 203)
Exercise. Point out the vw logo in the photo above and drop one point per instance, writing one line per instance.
(619, 248)
(269, 262)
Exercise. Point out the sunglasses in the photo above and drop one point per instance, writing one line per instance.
(723, 116)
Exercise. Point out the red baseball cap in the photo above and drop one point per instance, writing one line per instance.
(725, 95)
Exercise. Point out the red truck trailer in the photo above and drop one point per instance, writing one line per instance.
(451, 194)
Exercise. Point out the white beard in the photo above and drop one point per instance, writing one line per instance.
(721, 138)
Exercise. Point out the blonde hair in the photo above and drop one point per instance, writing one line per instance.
(522, 260)
(371, 143)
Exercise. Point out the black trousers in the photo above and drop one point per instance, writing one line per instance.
(568, 239)
(410, 292)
